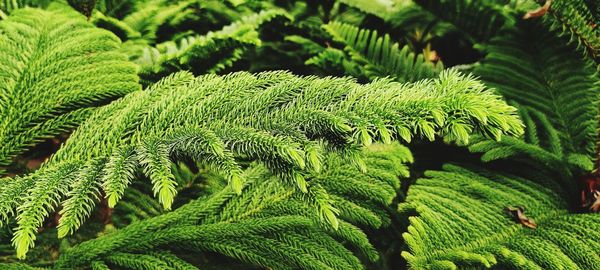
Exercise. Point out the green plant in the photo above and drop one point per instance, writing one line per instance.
(223, 48)
(277, 223)
(46, 89)
(287, 134)
(444, 200)
(273, 117)
(376, 56)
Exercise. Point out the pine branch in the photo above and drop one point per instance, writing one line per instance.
(267, 225)
(8, 6)
(56, 69)
(272, 117)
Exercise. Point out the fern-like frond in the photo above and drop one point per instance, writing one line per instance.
(450, 233)
(380, 8)
(153, 14)
(277, 118)
(268, 225)
(479, 19)
(579, 20)
(534, 67)
(55, 70)
(118, 27)
(8, 6)
(539, 152)
(378, 56)
(221, 48)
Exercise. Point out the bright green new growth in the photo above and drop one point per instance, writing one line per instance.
(376, 56)
(450, 233)
(282, 120)
(47, 89)
(268, 225)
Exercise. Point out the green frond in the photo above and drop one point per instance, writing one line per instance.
(534, 67)
(377, 56)
(118, 8)
(173, 261)
(541, 147)
(8, 6)
(380, 8)
(268, 225)
(12, 190)
(137, 262)
(119, 28)
(578, 20)
(153, 156)
(479, 19)
(136, 206)
(41, 199)
(222, 48)
(97, 265)
(152, 15)
(118, 172)
(56, 69)
(277, 130)
(208, 148)
(17, 266)
(80, 202)
(449, 233)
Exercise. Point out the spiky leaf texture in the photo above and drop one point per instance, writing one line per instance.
(578, 20)
(532, 66)
(377, 56)
(449, 233)
(221, 48)
(55, 70)
(269, 225)
(539, 152)
(7, 6)
(275, 117)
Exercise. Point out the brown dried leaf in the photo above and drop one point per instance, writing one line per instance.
(590, 192)
(596, 204)
(538, 12)
(518, 215)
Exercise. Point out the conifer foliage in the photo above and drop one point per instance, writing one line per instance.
(274, 117)
(336, 134)
(48, 89)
